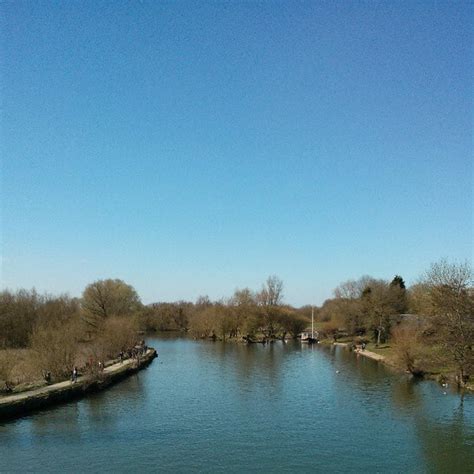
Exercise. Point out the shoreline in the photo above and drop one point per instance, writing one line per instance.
(24, 403)
(389, 364)
(365, 353)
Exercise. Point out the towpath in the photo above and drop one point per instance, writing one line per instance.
(82, 380)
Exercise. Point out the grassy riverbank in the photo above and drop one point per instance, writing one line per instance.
(389, 354)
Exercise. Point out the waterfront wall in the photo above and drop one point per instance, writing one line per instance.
(21, 404)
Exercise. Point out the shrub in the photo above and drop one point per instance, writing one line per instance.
(55, 348)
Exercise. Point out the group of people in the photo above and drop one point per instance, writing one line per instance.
(358, 347)
(133, 353)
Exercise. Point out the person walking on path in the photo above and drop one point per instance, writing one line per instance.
(74, 375)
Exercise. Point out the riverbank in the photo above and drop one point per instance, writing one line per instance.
(365, 353)
(389, 361)
(23, 403)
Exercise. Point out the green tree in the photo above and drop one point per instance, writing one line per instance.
(398, 295)
(398, 281)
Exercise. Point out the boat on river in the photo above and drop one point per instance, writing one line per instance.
(306, 337)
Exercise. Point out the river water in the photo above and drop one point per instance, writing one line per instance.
(216, 407)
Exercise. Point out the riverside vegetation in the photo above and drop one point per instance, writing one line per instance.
(426, 329)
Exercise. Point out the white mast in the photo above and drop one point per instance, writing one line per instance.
(312, 322)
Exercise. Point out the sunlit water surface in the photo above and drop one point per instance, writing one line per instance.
(216, 407)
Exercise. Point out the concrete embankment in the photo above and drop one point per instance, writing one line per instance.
(21, 404)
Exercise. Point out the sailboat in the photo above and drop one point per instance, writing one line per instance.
(306, 338)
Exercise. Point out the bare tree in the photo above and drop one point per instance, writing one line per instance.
(272, 292)
(18, 316)
(269, 298)
(409, 348)
(380, 301)
(353, 289)
(243, 303)
(450, 287)
(243, 298)
(105, 298)
(419, 299)
(118, 334)
(292, 323)
(22, 310)
(55, 348)
(204, 322)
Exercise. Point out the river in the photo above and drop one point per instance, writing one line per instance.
(217, 407)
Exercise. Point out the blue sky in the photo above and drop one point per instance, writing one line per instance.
(191, 148)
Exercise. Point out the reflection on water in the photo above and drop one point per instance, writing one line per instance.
(447, 441)
(46, 424)
(217, 407)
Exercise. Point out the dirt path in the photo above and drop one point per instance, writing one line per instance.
(370, 355)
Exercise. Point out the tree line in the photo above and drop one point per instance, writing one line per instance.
(253, 315)
(430, 323)
(45, 334)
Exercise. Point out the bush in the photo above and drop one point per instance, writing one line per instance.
(7, 367)
(408, 348)
(56, 348)
(117, 334)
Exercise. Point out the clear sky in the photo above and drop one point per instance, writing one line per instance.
(191, 148)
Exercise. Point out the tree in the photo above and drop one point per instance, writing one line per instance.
(346, 313)
(243, 298)
(165, 316)
(269, 298)
(21, 311)
(243, 303)
(451, 292)
(353, 289)
(118, 334)
(378, 304)
(292, 323)
(272, 292)
(105, 298)
(203, 301)
(409, 349)
(225, 321)
(398, 295)
(419, 299)
(204, 322)
(398, 281)
(18, 316)
(55, 348)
